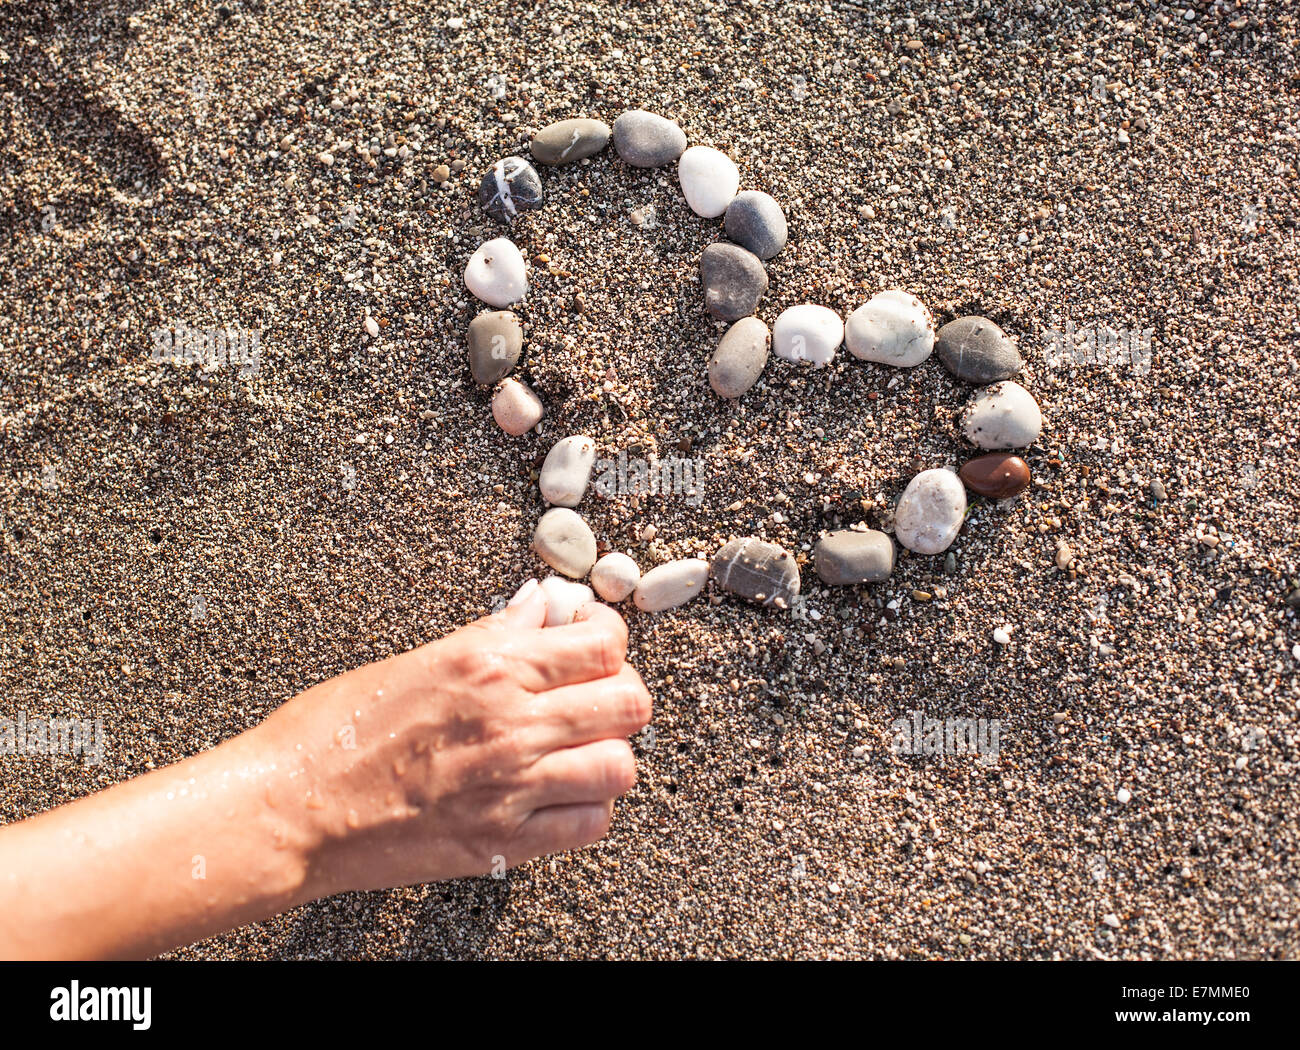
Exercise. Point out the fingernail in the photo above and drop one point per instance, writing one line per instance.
(524, 593)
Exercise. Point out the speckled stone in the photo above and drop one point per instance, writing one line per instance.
(647, 140)
(761, 572)
(1003, 416)
(755, 221)
(849, 556)
(998, 475)
(565, 542)
(976, 350)
(495, 339)
(668, 586)
(734, 280)
(739, 358)
(930, 512)
(511, 188)
(567, 141)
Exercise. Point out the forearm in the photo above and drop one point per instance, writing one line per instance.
(203, 846)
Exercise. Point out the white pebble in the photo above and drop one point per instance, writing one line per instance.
(1002, 636)
(496, 273)
(567, 470)
(807, 333)
(709, 180)
(668, 586)
(891, 328)
(930, 511)
(372, 327)
(615, 576)
(563, 599)
(1003, 416)
(1123, 795)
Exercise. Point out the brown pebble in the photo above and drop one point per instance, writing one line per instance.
(441, 174)
(999, 475)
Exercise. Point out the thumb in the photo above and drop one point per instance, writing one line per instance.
(527, 609)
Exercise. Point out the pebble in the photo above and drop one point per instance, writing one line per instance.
(516, 408)
(807, 333)
(1003, 416)
(930, 511)
(755, 221)
(511, 187)
(739, 358)
(495, 340)
(668, 586)
(976, 350)
(496, 274)
(709, 180)
(647, 140)
(999, 475)
(1123, 796)
(1002, 636)
(758, 571)
(567, 141)
(567, 471)
(891, 328)
(615, 576)
(565, 542)
(849, 556)
(563, 599)
(734, 280)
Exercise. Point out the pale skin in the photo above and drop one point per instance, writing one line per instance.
(502, 742)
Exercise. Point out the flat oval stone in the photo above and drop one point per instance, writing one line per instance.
(1003, 416)
(734, 280)
(755, 221)
(567, 141)
(709, 180)
(999, 475)
(495, 340)
(930, 512)
(740, 357)
(848, 556)
(496, 273)
(976, 350)
(565, 542)
(615, 576)
(758, 571)
(567, 471)
(891, 328)
(516, 408)
(668, 586)
(807, 333)
(647, 140)
(511, 188)
(563, 599)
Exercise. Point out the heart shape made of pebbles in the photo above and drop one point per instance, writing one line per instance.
(893, 329)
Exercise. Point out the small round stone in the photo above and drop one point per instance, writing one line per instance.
(516, 408)
(565, 542)
(758, 571)
(647, 140)
(566, 471)
(740, 357)
(807, 333)
(668, 586)
(755, 221)
(1003, 416)
(563, 599)
(999, 475)
(495, 340)
(709, 180)
(976, 350)
(848, 556)
(510, 188)
(496, 273)
(567, 141)
(734, 280)
(615, 576)
(930, 512)
(891, 328)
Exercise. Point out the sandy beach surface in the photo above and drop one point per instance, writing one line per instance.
(181, 551)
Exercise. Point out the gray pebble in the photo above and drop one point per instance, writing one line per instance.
(976, 350)
(567, 141)
(758, 571)
(848, 556)
(566, 471)
(740, 357)
(511, 187)
(495, 340)
(670, 585)
(647, 140)
(565, 542)
(755, 221)
(734, 280)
